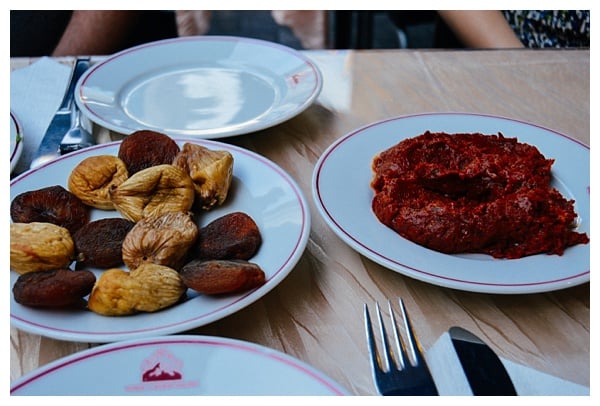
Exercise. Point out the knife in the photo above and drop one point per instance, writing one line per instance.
(61, 122)
(484, 370)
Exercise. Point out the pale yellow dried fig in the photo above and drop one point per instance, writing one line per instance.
(39, 247)
(162, 240)
(94, 177)
(211, 171)
(154, 191)
(149, 288)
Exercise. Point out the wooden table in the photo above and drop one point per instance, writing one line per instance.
(315, 314)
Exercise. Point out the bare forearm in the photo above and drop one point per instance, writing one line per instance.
(95, 32)
(481, 28)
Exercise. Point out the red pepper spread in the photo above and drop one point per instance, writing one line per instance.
(458, 193)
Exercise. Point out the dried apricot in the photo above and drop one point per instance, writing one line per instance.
(99, 244)
(145, 148)
(220, 276)
(232, 236)
(55, 288)
(53, 204)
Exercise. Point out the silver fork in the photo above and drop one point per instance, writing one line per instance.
(396, 374)
(77, 137)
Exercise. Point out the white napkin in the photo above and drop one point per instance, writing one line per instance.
(36, 92)
(450, 378)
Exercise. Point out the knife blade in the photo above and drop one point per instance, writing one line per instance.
(61, 122)
(484, 370)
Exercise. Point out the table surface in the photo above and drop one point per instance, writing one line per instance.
(315, 314)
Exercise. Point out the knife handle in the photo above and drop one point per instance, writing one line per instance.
(80, 66)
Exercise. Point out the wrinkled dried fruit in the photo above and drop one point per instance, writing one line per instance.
(154, 191)
(98, 244)
(94, 177)
(53, 204)
(145, 148)
(149, 288)
(232, 236)
(162, 240)
(211, 171)
(39, 247)
(56, 288)
(218, 277)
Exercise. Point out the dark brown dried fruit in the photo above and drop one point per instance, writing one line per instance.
(53, 204)
(56, 288)
(218, 277)
(232, 236)
(99, 244)
(145, 148)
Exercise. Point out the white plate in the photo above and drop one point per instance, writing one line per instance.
(206, 87)
(178, 365)
(260, 188)
(16, 141)
(346, 206)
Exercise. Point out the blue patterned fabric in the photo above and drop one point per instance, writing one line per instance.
(551, 28)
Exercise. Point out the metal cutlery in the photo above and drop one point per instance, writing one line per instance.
(61, 122)
(397, 374)
(484, 370)
(77, 137)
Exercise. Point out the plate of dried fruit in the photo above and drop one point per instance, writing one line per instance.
(259, 188)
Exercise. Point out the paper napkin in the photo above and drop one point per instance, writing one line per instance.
(36, 92)
(451, 380)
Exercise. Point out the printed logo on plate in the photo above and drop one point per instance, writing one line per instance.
(161, 370)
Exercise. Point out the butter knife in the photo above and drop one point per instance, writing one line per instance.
(61, 122)
(484, 370)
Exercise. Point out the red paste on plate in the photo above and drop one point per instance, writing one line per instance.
(458, 193)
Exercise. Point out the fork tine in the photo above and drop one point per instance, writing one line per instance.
(401, 351)
(387, 350)
(413, 343)
(375, 361)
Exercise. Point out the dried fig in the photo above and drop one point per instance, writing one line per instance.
(163, 240)
(145, 148)
(211, 171)
(98, 244)
(149, 288)
(39, 247)
(232, 236)
(56, 288)
(221, 276)
(154, 191)
(53, 204)
(93, 178)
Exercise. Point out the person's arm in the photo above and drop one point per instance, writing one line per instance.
(481, 28)
(95, 32)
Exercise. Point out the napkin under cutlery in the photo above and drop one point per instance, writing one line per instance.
(451, 380)
(35, 93)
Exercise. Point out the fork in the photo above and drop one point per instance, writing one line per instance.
(398, 376)
(77, 137)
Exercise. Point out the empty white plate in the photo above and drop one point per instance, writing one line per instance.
(205, 86)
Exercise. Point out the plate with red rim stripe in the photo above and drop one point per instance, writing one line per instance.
(176, 366)
(260, 188)
(346, 206)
